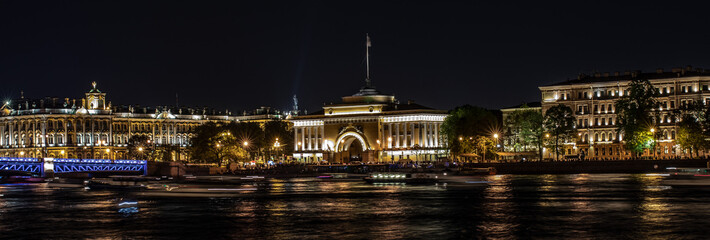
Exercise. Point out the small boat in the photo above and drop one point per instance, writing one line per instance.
(687, 177)
(478, 171)
(119, 182)
(20, 177)
(398, 177)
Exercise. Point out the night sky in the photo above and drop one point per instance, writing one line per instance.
(240, 55)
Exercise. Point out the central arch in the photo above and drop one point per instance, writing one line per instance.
(346, 139)
(351, 146)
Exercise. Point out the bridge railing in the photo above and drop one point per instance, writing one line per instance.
(67, 165)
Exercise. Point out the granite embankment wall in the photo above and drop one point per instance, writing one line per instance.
(630, 166)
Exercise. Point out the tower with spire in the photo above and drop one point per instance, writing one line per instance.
(95, 99)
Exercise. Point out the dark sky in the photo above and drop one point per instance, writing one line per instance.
(244, 54)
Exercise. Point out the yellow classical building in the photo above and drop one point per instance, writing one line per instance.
(92, 128)
(369, 127)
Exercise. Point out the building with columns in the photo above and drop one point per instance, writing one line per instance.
(369, 127)
(92, 128)
(592, 98)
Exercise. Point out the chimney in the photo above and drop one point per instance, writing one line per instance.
(659, 70)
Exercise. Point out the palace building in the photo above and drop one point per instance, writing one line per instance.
(92, 128)
(592, 100)
(369, 127)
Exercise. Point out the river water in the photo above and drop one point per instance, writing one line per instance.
(606, 206)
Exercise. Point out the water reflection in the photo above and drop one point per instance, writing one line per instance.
(508, 206)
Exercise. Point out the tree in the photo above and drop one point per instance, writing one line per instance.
(559, 124)
(279, 138)
(635, 114)
(465, 123)
(139, 147)
(214, 143)
(693, 128)
(527, 124)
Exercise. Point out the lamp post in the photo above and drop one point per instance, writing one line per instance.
(653, 133)
(496, 137)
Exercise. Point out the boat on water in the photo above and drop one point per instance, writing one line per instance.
(20, 177)
(686, 177)
(399, 177)
(120, 182)
(478, 171)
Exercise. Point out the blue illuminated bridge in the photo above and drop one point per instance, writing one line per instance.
(65, 165)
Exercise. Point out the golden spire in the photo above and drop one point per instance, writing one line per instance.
(93, 84)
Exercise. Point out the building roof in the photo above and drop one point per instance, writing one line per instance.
(688, 71)
(528, 104)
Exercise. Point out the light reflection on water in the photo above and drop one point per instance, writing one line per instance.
(510, 206)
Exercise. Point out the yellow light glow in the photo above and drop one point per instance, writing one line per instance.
(108, 150)
(246, 143)
(495, 135)
(140, 149)
(22, 153)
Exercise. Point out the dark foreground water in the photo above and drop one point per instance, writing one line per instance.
(606, 206)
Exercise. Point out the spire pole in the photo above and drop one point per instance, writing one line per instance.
(368, 44)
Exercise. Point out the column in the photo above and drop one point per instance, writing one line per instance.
(110, 133)
(315, 138)
(389, 136)
(310, 138)
(322, 137)
(44, 133)
(64, 136)
(397, 134)
(426, 135)
(303, 138)
(405, 144)
(436, 131)
(295, 138)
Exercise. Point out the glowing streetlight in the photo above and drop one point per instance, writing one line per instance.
(246, 143)
(140, 149)
(653, 130)
(108, 150)
(389, 139)
(547, 135)
(495, 136)
(22, 153)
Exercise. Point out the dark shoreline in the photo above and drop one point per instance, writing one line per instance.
(626, 166)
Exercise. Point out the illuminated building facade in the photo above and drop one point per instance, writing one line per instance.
(93, 128)
(369, 127)
(592, 100)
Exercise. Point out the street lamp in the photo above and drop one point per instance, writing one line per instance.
(653, 134)
(496, 137)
